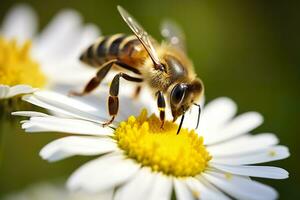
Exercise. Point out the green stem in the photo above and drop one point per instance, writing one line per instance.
(3, 105)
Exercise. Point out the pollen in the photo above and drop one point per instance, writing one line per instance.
(161, 149)
(17, 65)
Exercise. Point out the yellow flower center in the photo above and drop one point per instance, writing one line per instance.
(162, 149)
(17, 66)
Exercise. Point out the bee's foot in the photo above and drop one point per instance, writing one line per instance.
(108, 122)
(74, 93)
(162, 125)
(105, 124)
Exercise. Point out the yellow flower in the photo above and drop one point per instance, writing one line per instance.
(48, 59)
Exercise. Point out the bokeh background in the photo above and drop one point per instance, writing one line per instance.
(247, 50)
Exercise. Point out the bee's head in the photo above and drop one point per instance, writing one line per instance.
(183, 95)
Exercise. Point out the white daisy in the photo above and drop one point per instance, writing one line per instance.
(45, 59)
(141, 161)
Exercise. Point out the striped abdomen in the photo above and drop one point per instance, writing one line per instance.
(126, 48)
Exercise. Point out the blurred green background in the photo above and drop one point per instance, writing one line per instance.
(247, 50)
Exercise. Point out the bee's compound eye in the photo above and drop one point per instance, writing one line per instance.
(177, 94)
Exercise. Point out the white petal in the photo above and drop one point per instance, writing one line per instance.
(103, 173)
(212, 188)
(240, 187)
(65, 105)
(34, 129)
(54, 35)
(20, 23)
(191, 117)
(128, 105)
(260, 156)
(137, 187)
(78, 75)
(162, 187)
(240, 125)
(77, 145)
(95, 110)
(182, 191)
(20, 89)
(149, 102)
(73, 126)
(86, 36)
(29, 114)
(243, 144)
(254, 171)
(201, 191)
(215, 114)
(146, 185)
(4, 90)
(8, 92)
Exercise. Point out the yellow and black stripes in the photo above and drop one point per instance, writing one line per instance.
(114, 46)
(109, 47)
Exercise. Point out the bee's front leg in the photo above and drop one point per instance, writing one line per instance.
(161, 104)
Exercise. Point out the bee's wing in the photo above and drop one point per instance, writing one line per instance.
(173, 34)
(141, 34)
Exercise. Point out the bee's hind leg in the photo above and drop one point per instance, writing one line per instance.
(95, 81)
(161, 104)
(113, 99)
(92, 84)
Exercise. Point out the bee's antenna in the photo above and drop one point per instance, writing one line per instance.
(199, 112)
(181, 122)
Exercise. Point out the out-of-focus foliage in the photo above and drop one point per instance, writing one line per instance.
(247, 50)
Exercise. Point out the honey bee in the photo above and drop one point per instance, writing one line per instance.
(165, 68)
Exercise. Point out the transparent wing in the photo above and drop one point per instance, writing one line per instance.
(141, 34)
(173, 34)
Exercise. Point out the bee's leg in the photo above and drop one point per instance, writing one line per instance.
(137, 92)
(95, 81)
(103, 71)
(161, 104)
(113, 100)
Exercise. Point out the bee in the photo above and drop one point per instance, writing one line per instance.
(165, 68)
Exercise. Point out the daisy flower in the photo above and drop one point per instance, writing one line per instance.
(139, 160)
(30, 59)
